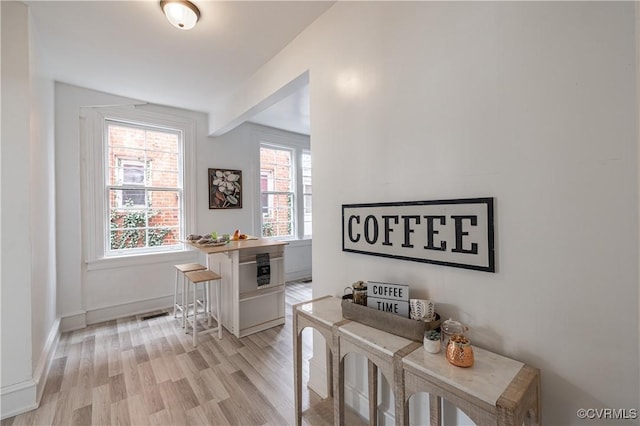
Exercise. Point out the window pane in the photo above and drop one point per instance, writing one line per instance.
(164, 218)
(164, 199)
(127, 198)
(126, 137)
(139, 158)
(278, 219)
(133, 174)
(162, 141)
(133, 197)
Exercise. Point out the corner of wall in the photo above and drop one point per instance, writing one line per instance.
(73, 321)
(46, 357)
(317, 377)
(18, 398)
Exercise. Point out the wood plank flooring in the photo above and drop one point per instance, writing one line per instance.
(146, 372)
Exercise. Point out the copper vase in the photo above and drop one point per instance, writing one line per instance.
(459, 351)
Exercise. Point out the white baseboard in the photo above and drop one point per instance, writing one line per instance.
(109, 313)
(18, 398)
(73, 321)
(297, 275)
(46, 357)
(318, 377)
(358, 401)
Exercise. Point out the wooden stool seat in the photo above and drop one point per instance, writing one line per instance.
(202, 276)
(206, 277)
(188, 267)
(183, 306)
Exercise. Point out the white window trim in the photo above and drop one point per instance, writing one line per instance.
(93, 149)
(298, 144)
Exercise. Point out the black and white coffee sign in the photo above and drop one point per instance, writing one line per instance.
(387, 297)
(456, 233)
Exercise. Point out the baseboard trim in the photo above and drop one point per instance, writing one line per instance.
(109, 313)
(46, 357)
(318, 377)
(297, 275)
(356, 399)
(18, 398)
(73, 321)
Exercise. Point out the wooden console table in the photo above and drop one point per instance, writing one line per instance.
(496, 390)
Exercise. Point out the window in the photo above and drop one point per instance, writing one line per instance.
(285, 189)
(276, 171)
(138, 184)
(306, 192)
(143, 186)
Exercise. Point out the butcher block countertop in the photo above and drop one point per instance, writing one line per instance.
(236, 245)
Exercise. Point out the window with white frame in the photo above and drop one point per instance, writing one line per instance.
(143, 186)
(276, 165)
(306, 192)
(285, 191)
(138, 180)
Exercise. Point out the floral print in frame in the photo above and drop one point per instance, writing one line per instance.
(225, 189)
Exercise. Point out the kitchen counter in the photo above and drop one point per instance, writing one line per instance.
(246, 306)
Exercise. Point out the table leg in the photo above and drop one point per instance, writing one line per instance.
(329, 369)
(297, 368)
(435, 410)
(338, 381)
(373, 392)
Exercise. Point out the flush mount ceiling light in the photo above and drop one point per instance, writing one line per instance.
(181, 13)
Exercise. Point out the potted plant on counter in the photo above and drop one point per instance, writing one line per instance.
(432, 341)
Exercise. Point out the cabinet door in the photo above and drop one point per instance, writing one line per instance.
(263, 309)
(248, 275)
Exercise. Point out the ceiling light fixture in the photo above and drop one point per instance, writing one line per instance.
(181, 13)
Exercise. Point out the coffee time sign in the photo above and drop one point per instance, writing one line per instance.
(456, 233)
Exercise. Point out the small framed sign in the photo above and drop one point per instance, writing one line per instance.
(387, 297)
(456, 233)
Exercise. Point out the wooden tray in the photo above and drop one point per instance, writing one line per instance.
(391, 323)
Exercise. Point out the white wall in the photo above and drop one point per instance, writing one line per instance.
(105, 290)
(531, 103)
(29, 324)
(16, 235)
(45, 328)
(238, 149)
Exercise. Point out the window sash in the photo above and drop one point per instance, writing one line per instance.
(141, 232)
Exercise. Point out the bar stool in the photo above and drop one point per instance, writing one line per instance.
(204, 277)
(180, 271)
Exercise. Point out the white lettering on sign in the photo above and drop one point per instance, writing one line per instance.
(388, 290)
(397, 307)
(455, 233)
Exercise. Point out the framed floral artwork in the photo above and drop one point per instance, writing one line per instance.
(225, 189)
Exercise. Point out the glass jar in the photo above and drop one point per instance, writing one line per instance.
(450, 328)
(360, 293)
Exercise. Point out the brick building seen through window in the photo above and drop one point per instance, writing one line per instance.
(143, 186)
(280, 191)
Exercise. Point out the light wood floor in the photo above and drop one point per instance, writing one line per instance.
(146, 372)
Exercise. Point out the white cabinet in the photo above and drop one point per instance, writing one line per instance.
(246, 307)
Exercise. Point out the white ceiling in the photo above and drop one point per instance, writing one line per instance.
(128, 48)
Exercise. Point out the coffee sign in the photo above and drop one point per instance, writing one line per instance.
(456, 233)
(387, 297)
